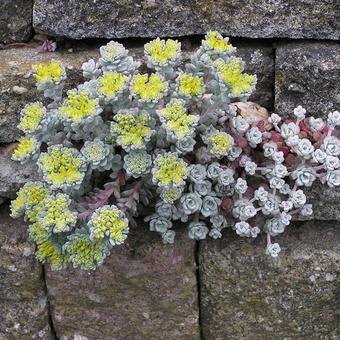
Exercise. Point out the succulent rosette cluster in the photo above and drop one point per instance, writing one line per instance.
(167, 145)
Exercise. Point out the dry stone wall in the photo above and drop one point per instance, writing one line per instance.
(226, 289)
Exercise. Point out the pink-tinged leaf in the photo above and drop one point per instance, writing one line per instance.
(47, 46)
(227, 204)
(275, 137)
(285, 150)
(317, 136)
(240, 141)
(304, 127)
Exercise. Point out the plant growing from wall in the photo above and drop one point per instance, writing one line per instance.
(168, 141)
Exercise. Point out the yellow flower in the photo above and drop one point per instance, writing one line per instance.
(29, 198)
(26, 147)
(190, 85)
(51, 253)
(18, 205)
(161, 51)
(131, 129)
(109, 221)
(220, 143)
(56, 214)
(78, 105)
(85, 253)
(31, 116)
(148, 88)
(37, 233)
(215, 41)
(53, 71)
(62, 166)
(177, 121)
(231, 73)
(170, 170)
(110, 83)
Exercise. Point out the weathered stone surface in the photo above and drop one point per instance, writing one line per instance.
(247, 294)
(145, 290)
(325, 200)
(259, 60)
(17, 64)
(22, 293)
(149, 18)
(307, 74)
(15, 20)
(13, 175)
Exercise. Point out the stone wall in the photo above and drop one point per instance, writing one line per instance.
(226, 289)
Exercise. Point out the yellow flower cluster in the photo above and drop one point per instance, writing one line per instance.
(28, 199)
(231, 73)
(161, 51)
(215, 41)
(190, 85)
(54, 71)
(131, 129)
(50, 252)
(84, 253)
(38, 233)
(170, 170)
(61, 165)
(27, 146)
(220, 143)
(177, 120)
(109, 221)
(148, 88)
(78, 106)
(56, 214)
(111, 83)
(31, 116)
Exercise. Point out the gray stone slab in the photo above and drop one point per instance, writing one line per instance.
(15, 20)
(246, 294)
(149, 18)
(307, 74)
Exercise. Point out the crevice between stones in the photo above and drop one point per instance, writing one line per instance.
(198, 280)
(48, 306)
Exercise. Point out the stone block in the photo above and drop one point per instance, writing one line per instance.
(246, 294)
(307, 74)
(149, 18)
(15, 20)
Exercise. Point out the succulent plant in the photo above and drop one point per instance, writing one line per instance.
(169, 140)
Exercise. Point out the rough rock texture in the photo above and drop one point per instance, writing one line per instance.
(144, 290)
(259, 60)
(246, 294)
(307, 74)
(15, 20)
(22, 289)
(149, 18)
(16, 66)
(13, 175)
(325, 200)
